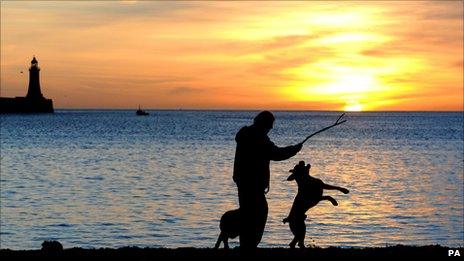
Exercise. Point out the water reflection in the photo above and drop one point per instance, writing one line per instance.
(82, 179)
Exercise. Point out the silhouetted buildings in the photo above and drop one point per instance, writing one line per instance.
(34, 102)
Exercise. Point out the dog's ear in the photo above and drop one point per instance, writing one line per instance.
(292, 176)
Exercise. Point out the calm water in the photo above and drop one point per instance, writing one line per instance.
(111, 179)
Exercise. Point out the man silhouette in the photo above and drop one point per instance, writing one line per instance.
(251, 174)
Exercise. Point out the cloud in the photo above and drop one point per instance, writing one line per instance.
(232, 53)
(184, 91)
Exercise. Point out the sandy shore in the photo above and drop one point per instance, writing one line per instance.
(149, 253)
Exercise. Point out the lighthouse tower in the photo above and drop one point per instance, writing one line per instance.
(34, 102)
(33, 91)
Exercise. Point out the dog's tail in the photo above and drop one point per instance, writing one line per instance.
(285, 220)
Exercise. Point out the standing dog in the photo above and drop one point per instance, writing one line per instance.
(230, 227)
(310, 193)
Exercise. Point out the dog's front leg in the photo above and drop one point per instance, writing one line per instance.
(332, 200)
(219, 240)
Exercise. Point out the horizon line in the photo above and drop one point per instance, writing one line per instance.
(229, 109)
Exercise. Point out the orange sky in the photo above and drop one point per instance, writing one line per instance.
(237, 55)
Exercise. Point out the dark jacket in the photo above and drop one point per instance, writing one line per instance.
(252, 156)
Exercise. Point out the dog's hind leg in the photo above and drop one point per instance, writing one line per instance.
(295, 227)
(301, 235)
(226, 242)
(219, 240)
(293, 242)
(301, 240)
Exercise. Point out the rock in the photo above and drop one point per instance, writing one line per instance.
(52, 246)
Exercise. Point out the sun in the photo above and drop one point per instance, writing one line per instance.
(353, 107)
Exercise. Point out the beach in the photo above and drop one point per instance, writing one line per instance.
(136, 253)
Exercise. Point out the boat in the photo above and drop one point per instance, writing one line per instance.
(141, 112)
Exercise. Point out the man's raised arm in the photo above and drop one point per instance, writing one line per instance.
(283, 153)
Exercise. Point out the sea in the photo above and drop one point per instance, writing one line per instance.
(109, 178)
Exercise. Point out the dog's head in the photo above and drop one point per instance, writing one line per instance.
(299, 170)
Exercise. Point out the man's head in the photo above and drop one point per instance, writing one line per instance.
(264, 120)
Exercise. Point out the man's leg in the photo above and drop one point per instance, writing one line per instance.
(261, 217)
(247, 220)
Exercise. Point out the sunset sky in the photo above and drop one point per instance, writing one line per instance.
(365, 55)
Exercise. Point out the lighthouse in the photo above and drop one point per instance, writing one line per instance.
(34, 102)
(33, 92)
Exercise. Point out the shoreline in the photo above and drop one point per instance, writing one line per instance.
(143, 253)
